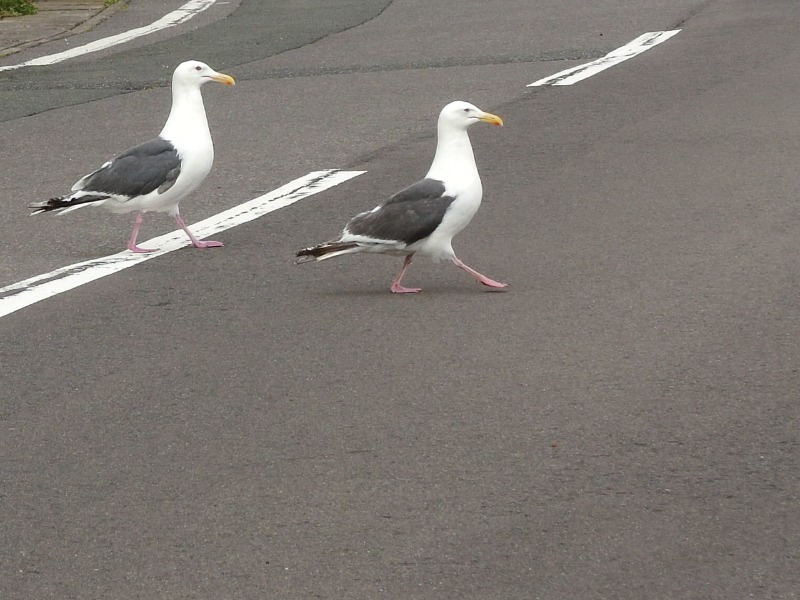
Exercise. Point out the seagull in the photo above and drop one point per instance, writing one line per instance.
(155, 175)
(424, 217)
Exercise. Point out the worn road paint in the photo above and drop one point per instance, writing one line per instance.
(19, 295)
(176, 17)
(637, 46)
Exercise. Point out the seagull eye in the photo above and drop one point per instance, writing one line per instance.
(198, 68)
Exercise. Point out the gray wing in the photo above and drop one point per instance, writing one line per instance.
(409, 216)
(153, 165)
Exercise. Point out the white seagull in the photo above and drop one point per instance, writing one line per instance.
(155, 175)
(423, 218)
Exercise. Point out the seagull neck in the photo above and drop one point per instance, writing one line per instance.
(187, 115)
(452, 148)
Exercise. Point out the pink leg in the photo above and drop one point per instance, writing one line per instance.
(478, 277)
(399, 289)
(195, 242)
(132, 242)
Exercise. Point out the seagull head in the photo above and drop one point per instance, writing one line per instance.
(461, 115)
(196, 73)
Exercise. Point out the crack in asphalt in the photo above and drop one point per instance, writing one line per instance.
(252, 32)
(300, 72)
(443, 63)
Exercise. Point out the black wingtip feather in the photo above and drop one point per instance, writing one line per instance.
(62, 202)
(317, 252)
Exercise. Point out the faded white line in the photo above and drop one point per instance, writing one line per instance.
(176, 17)
(19, 295)
(637, 46)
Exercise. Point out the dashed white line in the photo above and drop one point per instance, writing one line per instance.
(176, 17)
(629, 50)
(19, 295)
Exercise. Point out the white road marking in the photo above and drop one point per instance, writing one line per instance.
(637, 46)
(176, 17)
(19, 295)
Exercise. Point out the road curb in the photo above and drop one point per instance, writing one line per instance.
(38, 32)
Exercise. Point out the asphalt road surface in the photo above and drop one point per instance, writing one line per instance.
(621, 423)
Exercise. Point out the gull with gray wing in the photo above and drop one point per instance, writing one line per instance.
(424, 217)
(158, 174)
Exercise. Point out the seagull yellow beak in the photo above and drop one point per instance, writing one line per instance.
(222, 78)
(491, 119)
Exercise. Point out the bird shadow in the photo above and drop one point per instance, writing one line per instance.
(425, 293)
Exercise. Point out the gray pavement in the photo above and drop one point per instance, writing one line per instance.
(622, 423)
(54, 19)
